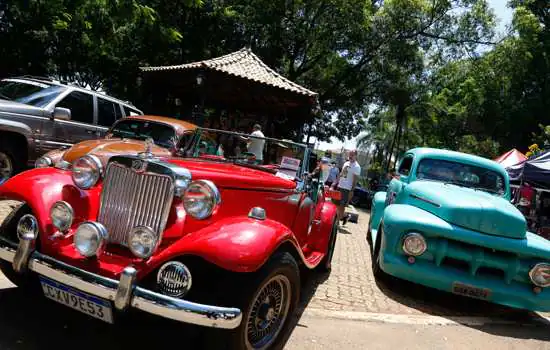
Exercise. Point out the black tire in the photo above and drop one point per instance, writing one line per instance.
(355, 201)
(26, 281)
(369, 233)
(9, 154)
(281, 268)
(377, 271)
(326, 263)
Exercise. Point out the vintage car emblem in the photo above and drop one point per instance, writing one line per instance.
(139, 165)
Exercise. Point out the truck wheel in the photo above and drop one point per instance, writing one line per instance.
(268, 303)
(326, 263)
(377, 271)
(10, 163)
(8, 228)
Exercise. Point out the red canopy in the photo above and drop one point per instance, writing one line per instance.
(512, 157)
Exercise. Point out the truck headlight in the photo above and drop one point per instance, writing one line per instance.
(201, 199)
(414, 244)
(90, 238)
(62, 214)
(540, 275)
(87, 171)
(142, 241)
(43, 162)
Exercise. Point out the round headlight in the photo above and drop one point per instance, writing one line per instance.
(540, 275)
(86, 171)
(89, 238)
(142, 241)
(201, 198)
(27, 227)
(414, 244)
(174, 279)
(43, 162)
(61, 214)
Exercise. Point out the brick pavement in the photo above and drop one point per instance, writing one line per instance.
(351, 285)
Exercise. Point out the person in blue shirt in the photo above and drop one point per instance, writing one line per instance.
(332, 175)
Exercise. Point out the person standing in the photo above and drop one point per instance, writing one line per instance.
(346, 182)
(256, 143)
(332, 175)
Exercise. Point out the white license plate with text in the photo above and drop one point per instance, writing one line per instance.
(78, 300)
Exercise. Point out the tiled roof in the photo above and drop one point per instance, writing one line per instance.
(244, 64)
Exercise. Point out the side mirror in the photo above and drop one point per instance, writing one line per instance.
(61, 113)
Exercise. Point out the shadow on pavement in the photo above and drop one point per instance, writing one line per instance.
(310, 281)
(30, 321)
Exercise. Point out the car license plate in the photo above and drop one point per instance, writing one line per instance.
(78, 300)
(471, 291)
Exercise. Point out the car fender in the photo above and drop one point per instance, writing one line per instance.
(40, 188)
(376, 213)
(239, 244)
(18, 128)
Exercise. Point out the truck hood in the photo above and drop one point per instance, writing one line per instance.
(16, 107)
(233, 176)
(105, 149)
(473, 209)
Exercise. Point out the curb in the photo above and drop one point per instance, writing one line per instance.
(427, 320)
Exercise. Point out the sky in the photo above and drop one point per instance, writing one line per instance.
(504, 17)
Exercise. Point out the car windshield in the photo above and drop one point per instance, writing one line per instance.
(283, 157)
(163, 135)
(461, 174)
(31, 93)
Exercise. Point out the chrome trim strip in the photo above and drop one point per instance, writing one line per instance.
(139, 298)
(425, 200)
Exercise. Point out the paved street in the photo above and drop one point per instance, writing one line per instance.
(346, 309)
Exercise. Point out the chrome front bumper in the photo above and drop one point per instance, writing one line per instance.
(124, 293)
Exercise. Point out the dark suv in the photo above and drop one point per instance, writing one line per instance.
(38, 115)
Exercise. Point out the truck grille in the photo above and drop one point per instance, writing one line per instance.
(477, 260)
(131, 199)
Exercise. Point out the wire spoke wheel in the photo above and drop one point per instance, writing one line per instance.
(268, 313)
(6, 167)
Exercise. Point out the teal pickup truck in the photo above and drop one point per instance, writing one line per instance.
(447, 222)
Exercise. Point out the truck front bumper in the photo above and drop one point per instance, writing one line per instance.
(124, 293)
(515, 294)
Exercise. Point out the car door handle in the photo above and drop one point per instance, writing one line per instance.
(90, 131)
(316, 222)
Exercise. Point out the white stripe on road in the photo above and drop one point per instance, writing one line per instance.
(420, 319)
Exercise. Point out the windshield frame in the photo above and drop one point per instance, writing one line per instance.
(192, 147)
(503, 194)
(143, 121)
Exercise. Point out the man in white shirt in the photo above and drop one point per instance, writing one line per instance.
(346, 182)
(255, 144)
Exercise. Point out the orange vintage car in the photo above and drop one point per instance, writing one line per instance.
(127, 136)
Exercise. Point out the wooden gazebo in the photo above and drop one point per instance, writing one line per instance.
(238, 84)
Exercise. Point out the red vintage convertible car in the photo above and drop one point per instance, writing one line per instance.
(208, 238)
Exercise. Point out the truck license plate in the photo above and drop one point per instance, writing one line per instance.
(78, 300)
(471, 291)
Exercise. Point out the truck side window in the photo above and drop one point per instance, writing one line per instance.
(81, 106)
(106, 112)
(405, 167)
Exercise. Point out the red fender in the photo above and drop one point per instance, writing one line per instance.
(41, 188)
(239, 244)
(320, 235)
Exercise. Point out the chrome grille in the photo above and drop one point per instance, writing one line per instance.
(130, 199)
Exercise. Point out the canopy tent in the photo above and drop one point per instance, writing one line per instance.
(512, 157)
(535, 171)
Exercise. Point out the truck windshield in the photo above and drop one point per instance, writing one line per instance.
(462, 175)
(31, 93)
